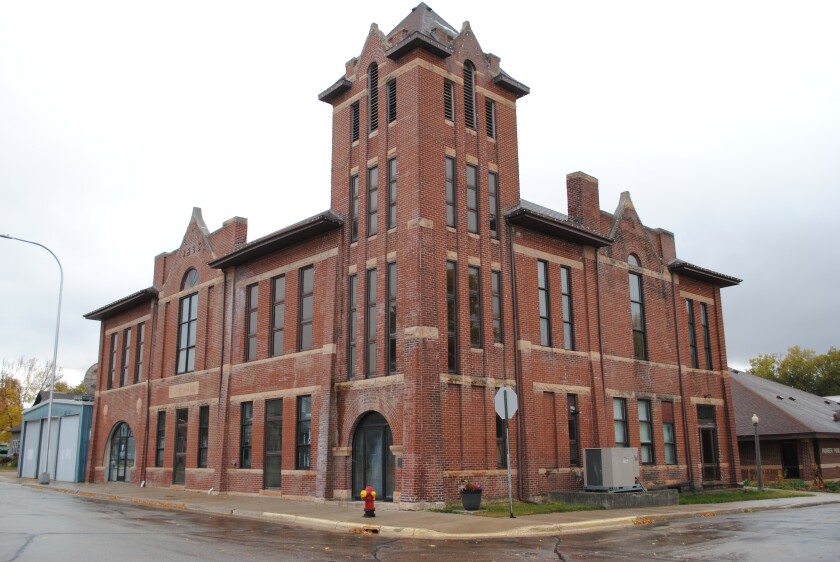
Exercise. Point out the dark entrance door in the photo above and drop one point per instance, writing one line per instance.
(790, 459)
(373, 461)
(273, 442)
(180, 463)
(709, 458)
(122, 453)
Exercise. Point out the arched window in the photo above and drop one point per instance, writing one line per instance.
(120, 454)
(373, 98)
(469, 94)
(187, 324)
(633, 260)
(190, 279)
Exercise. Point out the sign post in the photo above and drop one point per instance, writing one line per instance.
(507, 404)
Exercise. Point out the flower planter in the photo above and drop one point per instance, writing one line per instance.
(471, 500)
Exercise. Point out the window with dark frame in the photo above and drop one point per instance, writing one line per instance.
(451, 317)
(370, 325)
(179, 459)
(187, 325)
(373, 97)
(392, 193)
(501, 444)
(622, 438)
(646, 432)
(490, 117)
(496, 296)
(253, 301)
(112, 362)
(246, 428)
(139, 351)
(203, 435)
(637, 313)
(450, 192)
(493, 203)
(392, 100)
(545, 306)
(568, 317)
(304, 436)
(669, 436)
(472, 198)
(392, 318)
(707, 341)
(469, 95)
(307, 289)
(373, 199)
(449, 100)
(692, 334)
(160, 442)
(352, 328)
(474, 289)
(354, 208)
(126, 354)
(273, 442)
(354, 122)
(278, 315)
(574, 430)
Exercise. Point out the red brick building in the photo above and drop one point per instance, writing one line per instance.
(364, 345)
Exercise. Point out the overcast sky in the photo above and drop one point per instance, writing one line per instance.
(721, 118)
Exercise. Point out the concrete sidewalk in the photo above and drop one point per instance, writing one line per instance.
(348, 516)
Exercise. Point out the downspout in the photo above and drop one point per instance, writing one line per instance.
(516, 365)
(96, 405)
(729, 407)
(600, 346)
(152, 348)
(222, 479)
(691, 485)
(222, 350)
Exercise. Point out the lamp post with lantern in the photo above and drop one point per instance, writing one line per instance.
(758, 454)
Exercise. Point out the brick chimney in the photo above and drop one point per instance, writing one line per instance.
(584, 204)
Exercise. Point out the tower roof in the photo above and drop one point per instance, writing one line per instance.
(419, 28)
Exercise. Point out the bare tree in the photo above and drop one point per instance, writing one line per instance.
(33, 376)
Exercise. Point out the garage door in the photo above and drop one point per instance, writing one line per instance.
(68, 451)
(29, 454)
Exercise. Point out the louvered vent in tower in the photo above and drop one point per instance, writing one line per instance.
(373, 98)
(469, 95)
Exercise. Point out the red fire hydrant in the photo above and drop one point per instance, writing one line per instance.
(369, 496)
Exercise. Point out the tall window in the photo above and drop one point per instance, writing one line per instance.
(253, 298)
(373, 199)
(707, 343)
(160, 442)
(622, 438)
(304, 436)
(126, 354)
(451, 317)
(474, 281)
(392, 317)
(493, 203)
(354, 122)
(574, 431)
(246, 427)
(490, 116)
(112, 362)
(646, 431)
(354, 208)
(373, 98)
(637, 311)
(545, 308)
(448, 100)
(307, 289)
(496, 296)
(668, 433)
(187, 324)
(450, 192)
(472, 198)
(139, 350)
(273, 442)
(501, 444)
(203, 435)
(353, 300)
(392, 100)
(392, 193)
(568, 318)
(692, 335)
(278, 315)
(370, 325)
(469, 95)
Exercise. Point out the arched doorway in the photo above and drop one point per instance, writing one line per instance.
(373, 461)
(120, 454)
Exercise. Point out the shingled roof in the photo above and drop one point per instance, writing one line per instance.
(553, 223)
(784, 412)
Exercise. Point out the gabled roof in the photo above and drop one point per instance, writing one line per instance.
(552, 223)
(783, 411)
(125, 303)
(283, 238)
(701, 273)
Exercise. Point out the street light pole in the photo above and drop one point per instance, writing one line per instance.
(44, 477)
(758, 454)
